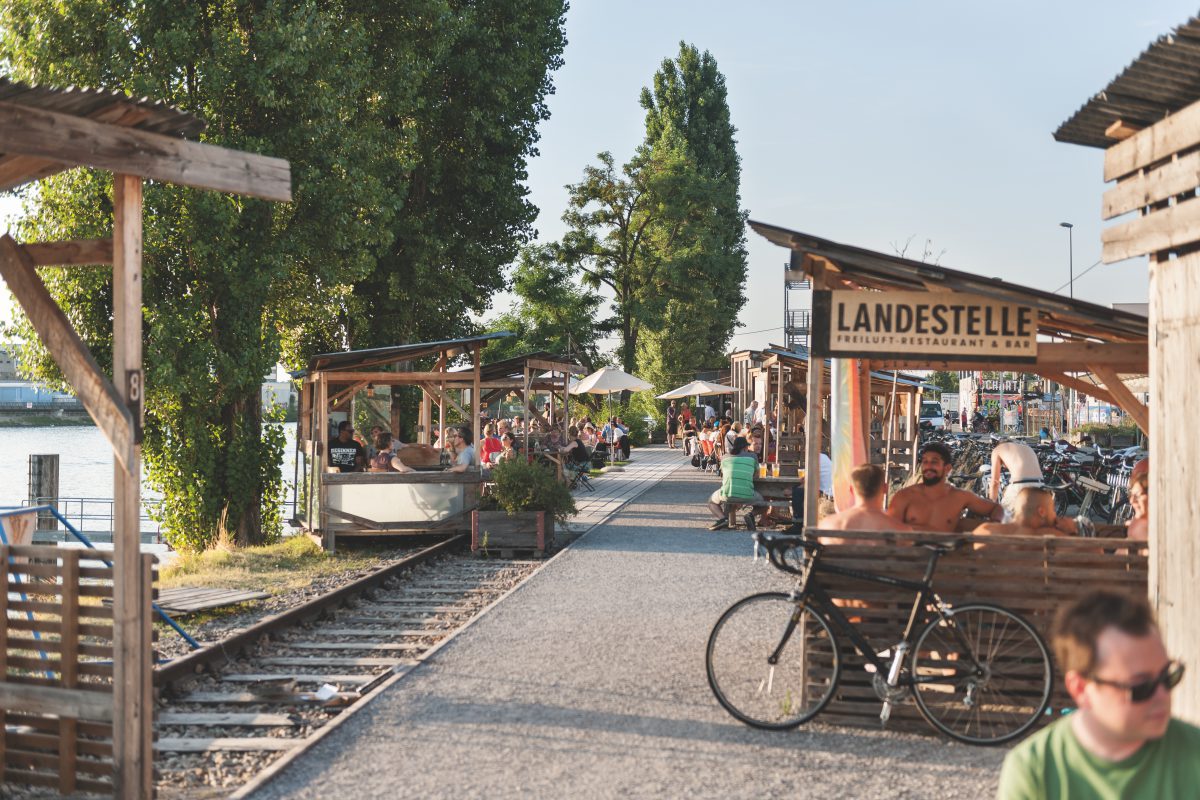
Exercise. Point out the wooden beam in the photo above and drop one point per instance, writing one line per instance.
(76, 141)
(1070, 355)
(1090, 389)
(71, 253)
(94, 390)
(1125, 399)
(395, 378)
(1160, 140)
(1142, 189)
(813, 424)
(1166, 229)
(443, 397)
(1121, 130)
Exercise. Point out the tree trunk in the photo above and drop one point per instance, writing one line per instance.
(240, 521)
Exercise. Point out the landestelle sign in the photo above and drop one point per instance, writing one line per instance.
(940, 325)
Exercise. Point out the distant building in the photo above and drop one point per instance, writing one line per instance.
(8, 364)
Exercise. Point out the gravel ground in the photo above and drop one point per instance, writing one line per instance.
(589, 682)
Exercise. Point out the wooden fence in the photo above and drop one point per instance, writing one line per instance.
(1032, 576)
(56, 667)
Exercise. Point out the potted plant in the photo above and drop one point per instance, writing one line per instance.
(522, 508)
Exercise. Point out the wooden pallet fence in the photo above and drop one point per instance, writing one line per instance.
(56, 657)
(1032, 576)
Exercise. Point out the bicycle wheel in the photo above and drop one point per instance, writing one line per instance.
(982, 674)
(776, 696)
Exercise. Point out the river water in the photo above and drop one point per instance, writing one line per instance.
(85, 468)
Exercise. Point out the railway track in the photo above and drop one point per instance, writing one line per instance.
(231, 710)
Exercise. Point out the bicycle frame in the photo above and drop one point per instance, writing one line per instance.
(810, 589)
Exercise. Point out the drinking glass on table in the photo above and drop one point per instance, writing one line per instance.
(775, 470)
(762, 470)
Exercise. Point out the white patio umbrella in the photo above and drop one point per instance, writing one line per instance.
(697, 389)
(606, 381)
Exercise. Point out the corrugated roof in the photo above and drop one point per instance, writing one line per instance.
(1159, 82)
(103, 105)
(1060, 316)
(515, 366)
(376, 356)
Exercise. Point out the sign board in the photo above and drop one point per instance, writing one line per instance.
(944, 326)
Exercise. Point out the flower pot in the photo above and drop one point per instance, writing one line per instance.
(496, 530)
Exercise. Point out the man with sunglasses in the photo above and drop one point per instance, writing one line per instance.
(1121, 742)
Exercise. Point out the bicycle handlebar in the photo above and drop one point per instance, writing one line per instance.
(778, 547)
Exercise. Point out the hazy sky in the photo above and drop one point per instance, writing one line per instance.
(872, 122)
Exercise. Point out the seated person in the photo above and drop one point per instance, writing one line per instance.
(737, 487)
(464, 453)
(575, 455)
(508, 450)
(867, 514)
(1033, 515)
(824, 487)
(934, 504)
(345, 454)
(490, 445)
(385, 459)
(1138, 528)
(615, 435)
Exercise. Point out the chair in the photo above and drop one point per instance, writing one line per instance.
(579, 477)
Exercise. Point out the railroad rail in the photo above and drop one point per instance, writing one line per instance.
(229, 711)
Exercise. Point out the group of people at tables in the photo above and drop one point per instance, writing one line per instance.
(454, 449)
(1026, 507)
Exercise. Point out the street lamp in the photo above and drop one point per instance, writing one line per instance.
(1070, 253)
(1071, 267)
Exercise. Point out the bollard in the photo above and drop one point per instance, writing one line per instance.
(43, 488)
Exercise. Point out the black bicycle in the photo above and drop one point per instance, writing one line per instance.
(979, 673)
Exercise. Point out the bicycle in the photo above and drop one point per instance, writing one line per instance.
(979, 673)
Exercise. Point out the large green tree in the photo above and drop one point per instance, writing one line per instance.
(466, 209)
(357, 96)
(687, 107)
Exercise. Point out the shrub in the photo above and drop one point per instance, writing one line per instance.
(521, 486)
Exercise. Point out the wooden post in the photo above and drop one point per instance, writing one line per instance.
(778, 409)
(132, 721)
(1174, 470)
(475, 395)
(864, 380)
(813, 422)
(441, 367)
(68, 667)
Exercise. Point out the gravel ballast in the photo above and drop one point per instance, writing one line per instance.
(589, 682)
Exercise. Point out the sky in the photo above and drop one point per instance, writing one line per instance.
(871, 123)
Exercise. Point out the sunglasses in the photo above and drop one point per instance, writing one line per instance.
(1170, 677)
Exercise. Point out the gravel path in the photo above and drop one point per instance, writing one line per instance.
(589, 682)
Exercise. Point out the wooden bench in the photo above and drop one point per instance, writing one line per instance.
(1032, 576)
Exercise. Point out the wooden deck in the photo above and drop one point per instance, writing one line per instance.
(189, 600)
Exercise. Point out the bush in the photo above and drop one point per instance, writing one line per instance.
(521, 486)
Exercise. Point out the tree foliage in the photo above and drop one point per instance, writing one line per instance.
(665, 232)
(552, 313)
(407, 128)
(946, 381)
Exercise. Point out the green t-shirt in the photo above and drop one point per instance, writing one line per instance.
(1052, 764)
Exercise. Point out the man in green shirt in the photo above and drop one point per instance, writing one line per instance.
(1121, 742)
(737, 486)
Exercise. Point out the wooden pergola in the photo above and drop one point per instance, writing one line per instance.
(786, 376)
(333, 381)
(1090, 347)
(44, 131)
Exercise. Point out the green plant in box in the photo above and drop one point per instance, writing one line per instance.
(521, 486)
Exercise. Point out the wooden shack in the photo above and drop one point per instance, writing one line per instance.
(1147, 122)
(1078, 344)
(44, 131)
(432, 500)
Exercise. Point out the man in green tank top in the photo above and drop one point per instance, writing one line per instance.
(737, 486)
(1121, 742)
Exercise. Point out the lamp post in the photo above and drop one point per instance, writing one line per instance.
(1070, 254)
(1071, 278)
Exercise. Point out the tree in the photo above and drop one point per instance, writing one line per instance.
(689, 102)
(473, 126)
(552, 312)
(946, 381)
(288, 79)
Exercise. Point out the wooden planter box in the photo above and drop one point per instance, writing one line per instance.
(497, 531)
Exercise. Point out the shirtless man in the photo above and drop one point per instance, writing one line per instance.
(1023, 470)
(933, 504)
(1033, 515)
(867, 514)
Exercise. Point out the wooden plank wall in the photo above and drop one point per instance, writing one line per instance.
(1175, 473)
(1032, 576)
(56, 655)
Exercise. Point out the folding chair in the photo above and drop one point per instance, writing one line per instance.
(579, 477)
